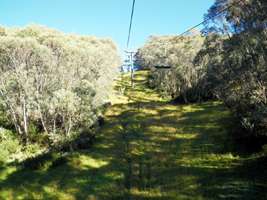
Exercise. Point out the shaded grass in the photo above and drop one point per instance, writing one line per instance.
(150, 149)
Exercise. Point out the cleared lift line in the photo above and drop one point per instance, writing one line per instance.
(130, 54)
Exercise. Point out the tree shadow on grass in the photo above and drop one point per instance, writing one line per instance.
(150, 149)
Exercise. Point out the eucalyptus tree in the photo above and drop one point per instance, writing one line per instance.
(181, 80)
(54, 80)
(22, 60)
(237, 66)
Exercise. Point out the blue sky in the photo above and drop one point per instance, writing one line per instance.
(107, 18)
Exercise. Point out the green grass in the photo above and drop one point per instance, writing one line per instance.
(150, 149)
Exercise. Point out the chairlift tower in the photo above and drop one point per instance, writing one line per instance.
(130, 55)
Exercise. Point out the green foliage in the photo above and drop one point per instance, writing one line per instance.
(183, 79)
(13, 151)
(53, 84)
(4, 120)
(9, 145)
(32, 150)
(234, 53)
(228, 62)
(150, 149)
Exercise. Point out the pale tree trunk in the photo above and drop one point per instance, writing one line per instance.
(69, 127)
(54, 125)
(39, 87)
(43, 123)
(12, 112)
(69, 131)
(42, 119)
(25, 121)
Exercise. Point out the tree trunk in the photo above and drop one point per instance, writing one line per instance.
(68, 132)
(25, 121)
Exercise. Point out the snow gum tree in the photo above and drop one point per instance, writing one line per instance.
(178, 53)
(53, 80)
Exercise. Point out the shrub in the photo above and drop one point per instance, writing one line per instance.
(9, 145)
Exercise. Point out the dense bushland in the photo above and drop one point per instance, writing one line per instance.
(227, 61)
(53, 85)
(182, 79)
(237, 68)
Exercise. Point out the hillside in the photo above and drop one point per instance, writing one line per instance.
(149, 149)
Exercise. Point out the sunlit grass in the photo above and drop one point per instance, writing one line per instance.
(85, 162)
(210, 161)
(6, 171)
